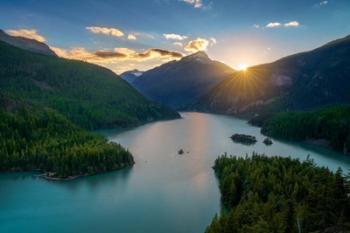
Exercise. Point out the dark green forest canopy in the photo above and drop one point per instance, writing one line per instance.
(89, 95)
(42, 139)
(273, 194)
(332, 124)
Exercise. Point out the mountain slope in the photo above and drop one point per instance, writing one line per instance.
(178, 84)
(89, 95)
(36, 138)
(131, 76)
(26, 44)
(274, 194)
(301, 81)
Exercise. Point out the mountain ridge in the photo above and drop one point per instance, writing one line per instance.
(300, 81)
(178, 84)
(27, 44)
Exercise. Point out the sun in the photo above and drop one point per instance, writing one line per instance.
(242, 67)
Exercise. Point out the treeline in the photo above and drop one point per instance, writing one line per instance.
(41, 139)
(332, 124)
(280, 195)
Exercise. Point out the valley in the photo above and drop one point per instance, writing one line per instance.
(168, 184)
(186, 116)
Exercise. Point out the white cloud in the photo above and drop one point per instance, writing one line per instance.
(27, 33)
(194, 3)
(172, 36)
(273, 25)
(279, 25)
(292, 24)
(106, 31)
(131, 37)
(256, 25)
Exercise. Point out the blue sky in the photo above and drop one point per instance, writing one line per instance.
(130, 34)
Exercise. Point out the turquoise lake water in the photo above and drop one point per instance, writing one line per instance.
(163, 192)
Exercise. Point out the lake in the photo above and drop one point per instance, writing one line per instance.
(163, 192)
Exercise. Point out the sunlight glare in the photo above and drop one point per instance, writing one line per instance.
(242, 67)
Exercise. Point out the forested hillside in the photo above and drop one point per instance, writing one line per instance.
(274, 194)
(42, 139)
(46, 101)
(331, 124)
(90, 96)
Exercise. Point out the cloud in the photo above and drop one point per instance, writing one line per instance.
(180, 44)
(278, 24)
(273, 25)
(153, 53)
(198, 44)
(256, 25)
(27, 33)
(213, 40)
(173, 36)
(120, 59)
(105, 31)
(131, 37)
(323, 3)
(101, 56)
(109, 54)
(292, 24)
(194, 3)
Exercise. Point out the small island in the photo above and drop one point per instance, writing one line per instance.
(244, 139)
(267, 142)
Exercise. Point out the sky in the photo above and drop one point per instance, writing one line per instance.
(141, 34)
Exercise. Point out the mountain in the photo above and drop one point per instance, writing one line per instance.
(89, 95)
(46, 105)
(26, 44)
(131, 75)
(302, 81)
(178, 84)
(37, 138)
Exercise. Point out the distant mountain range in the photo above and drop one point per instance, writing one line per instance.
(27, 44)
(302, 81)
(179, 84)
(131, 76)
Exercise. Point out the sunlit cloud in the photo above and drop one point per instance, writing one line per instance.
(131, 37)
(173, 36)
(292, 24)
(105, 31)
(194, 3)
(196, 45)
(116, 56)
(27, 33)
(117, 53)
